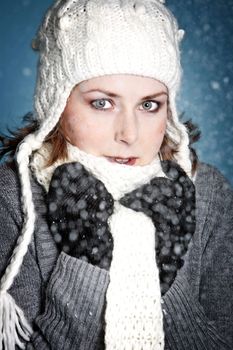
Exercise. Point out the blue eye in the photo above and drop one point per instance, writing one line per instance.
(100, 103)
(151, 106)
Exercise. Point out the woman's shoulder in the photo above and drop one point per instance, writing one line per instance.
(208, 177)
(214, 195)
(10, 190)
(9, 181)
(8, 175)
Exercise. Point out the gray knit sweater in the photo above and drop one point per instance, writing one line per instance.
(64, 297)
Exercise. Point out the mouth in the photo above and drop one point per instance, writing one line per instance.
(124, 161)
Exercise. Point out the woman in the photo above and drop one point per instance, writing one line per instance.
(124, 239)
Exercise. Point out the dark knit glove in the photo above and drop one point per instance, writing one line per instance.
(79, 206)
(170, 202)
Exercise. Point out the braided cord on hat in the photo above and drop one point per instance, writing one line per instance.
(12, 320)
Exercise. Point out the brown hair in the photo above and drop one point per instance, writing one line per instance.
(169, 147)
(59, 148)
(9, 143)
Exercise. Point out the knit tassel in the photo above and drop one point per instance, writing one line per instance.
(12, 320)
(12, 324)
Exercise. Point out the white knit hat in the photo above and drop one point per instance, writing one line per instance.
(79, 40)
(82, 39)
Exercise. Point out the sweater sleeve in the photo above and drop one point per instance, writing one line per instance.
(216, 282)
(74, 307)
(198, 307)
(66, 312)
(186, 323)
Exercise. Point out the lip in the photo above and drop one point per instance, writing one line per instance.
(132, 160)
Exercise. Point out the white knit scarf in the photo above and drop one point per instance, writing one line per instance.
(133, 313)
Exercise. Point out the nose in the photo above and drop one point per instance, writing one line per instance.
(127, 128)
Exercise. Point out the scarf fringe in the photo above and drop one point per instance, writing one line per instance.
(12, 324)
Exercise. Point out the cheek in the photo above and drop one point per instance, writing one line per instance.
(158, 130)
(80, 126)
(154, 137)
(83, 132)
(162, 127)
(73, 127)
(69, 128)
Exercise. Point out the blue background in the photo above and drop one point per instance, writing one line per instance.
(207, 57)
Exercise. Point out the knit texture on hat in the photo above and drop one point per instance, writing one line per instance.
(80, 40)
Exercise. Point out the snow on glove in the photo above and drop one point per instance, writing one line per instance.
(79, 207)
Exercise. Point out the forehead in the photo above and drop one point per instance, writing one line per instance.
(124, 83)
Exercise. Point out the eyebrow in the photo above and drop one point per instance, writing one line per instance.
(111, 94)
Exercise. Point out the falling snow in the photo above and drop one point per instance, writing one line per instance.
(207, 91)
(27, 72)
(215, 85)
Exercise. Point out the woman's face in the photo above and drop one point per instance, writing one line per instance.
(120, 117)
